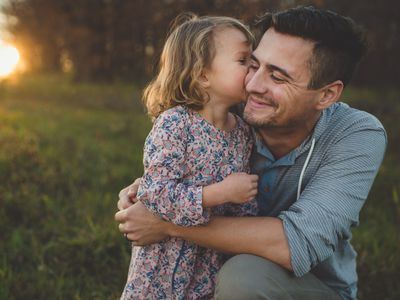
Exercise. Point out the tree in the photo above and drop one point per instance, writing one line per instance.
(109, 39)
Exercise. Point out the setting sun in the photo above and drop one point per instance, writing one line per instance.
(9, 58)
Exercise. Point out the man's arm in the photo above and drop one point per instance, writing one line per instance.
(262, 236)
(319, 223)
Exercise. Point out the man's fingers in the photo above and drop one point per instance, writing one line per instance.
(120, 216)
(121, 227)
(123, 192)
(120, 204)
(132, 190)
(123, 201)
(124, 228)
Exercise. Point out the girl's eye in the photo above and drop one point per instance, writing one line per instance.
(244, 61)
(253, 66)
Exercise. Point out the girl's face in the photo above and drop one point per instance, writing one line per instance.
(226, 75)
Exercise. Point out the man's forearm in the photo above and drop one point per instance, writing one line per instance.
(262, 236)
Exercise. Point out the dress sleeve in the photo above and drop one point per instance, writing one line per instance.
(331, 202)
(249, 208)
(162, 189)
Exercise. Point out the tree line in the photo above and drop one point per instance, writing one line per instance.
(105, 40)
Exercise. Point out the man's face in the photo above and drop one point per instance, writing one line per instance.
(277, 82)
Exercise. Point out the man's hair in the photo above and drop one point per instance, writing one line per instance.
(339, 44)
(188, 50)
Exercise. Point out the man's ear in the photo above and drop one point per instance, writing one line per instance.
(330, 94)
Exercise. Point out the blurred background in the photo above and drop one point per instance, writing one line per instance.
(72, 129)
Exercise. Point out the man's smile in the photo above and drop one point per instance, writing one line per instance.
(256, 102)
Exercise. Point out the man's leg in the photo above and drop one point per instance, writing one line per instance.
(248, 277)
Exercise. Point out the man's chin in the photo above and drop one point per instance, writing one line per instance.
(256, 123)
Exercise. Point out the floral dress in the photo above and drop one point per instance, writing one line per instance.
(183, 153)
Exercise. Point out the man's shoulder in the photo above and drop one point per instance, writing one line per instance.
(347, 117)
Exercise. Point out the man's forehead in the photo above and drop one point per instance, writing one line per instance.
(273, 40)
(287, 51)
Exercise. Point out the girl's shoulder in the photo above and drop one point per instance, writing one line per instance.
(241, 125)
(176, 116)
(176, 112)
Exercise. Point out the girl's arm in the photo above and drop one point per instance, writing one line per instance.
(162, 189)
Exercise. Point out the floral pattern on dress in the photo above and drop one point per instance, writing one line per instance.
(182, 153)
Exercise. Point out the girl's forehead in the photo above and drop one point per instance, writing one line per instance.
(229, 34)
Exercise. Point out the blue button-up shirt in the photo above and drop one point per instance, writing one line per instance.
(349, 148)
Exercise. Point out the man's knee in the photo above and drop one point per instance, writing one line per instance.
(252, 277)
(240, 278)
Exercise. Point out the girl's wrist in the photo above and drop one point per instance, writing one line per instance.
(213, 195)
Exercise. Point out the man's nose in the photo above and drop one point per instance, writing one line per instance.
(257, 82)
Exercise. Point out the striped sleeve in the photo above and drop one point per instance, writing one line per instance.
(331, 202)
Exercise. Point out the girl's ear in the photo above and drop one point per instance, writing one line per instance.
(330, 94)
(203, 79)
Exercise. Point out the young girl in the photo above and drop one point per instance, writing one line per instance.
(196, 155)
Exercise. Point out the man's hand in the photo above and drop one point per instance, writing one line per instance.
(127, 196)
(140, 225)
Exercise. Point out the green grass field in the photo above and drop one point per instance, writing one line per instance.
(67, 149)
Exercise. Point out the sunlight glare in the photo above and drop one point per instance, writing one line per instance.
(9, 58)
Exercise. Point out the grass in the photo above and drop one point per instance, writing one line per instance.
(67, 149)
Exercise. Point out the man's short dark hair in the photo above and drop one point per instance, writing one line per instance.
(339, 42)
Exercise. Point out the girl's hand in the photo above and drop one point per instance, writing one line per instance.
(239, 187)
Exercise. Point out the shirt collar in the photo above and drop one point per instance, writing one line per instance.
(290, 158)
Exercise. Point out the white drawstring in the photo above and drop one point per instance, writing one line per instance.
(304, 167)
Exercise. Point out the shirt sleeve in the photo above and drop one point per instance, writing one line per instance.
(162, 189)
(331, 202)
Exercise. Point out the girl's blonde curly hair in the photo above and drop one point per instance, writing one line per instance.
(188, 50)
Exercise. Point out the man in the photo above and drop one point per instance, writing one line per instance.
(316, 160)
